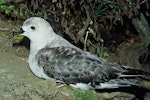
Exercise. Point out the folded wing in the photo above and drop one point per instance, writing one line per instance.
(73, 66)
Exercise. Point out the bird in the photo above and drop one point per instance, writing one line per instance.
(52, 56)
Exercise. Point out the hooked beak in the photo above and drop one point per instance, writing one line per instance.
(18, 32)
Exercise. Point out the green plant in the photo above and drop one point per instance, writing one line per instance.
(82, 94)
(18, 38)
(100, 10)
(6, 9)
(12, 11)
(105, 7)
(2, 1)
(101, 51)
(86, 95)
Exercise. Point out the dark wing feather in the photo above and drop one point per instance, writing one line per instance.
(74, 66)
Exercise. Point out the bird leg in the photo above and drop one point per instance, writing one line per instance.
(62, 84)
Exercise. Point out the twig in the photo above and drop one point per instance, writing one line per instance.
(62, 85)
(82, 32)
(85, 40)
(132, 8)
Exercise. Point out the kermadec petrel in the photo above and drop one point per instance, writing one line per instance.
(53, 56)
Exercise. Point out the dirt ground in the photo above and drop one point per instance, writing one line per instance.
(17, 81)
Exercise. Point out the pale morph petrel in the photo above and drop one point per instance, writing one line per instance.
(53, 56)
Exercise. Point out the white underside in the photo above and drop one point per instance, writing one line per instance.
(107, 85)
(37, 70)
(82, 86)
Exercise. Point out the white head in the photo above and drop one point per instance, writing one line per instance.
(36, 28)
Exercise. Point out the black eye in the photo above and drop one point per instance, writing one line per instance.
(32, 27)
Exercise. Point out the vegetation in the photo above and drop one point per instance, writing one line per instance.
(86, 95)
(97, 26)
(119, 27)
(82, 95)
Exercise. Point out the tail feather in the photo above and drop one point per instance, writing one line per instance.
(117, 83)
(124, 85)
(134, 73)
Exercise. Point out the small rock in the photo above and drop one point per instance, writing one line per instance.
(117, 96)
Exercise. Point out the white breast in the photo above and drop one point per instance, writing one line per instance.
(37, 70)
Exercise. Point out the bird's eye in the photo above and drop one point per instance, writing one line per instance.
(32, 27)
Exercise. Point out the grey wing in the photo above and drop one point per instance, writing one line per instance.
(72, 66)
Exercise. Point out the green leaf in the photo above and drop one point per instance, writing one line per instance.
(3, 7)
(11, 7)
(100, 10)
(86, 95)
(21, 14)
(2, 1)
(18, 37)
(101, 51)
(16, 13)
(7, 11)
